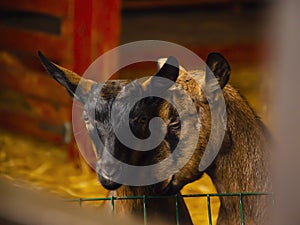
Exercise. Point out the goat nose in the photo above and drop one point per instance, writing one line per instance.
(110, 169)
(108, 166)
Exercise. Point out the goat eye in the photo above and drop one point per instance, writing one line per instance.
(86, 118)
(143, 119)
(175, 124)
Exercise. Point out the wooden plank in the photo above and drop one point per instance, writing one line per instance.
(148, 4)
(82, 33)
(28, 41)
(53, 112)
(58, 8)
(41, 87)
(23, 80)
(242, 53)
(235, 53)
(96, 32)
(105, 26)
(32, 126)
(67, 32)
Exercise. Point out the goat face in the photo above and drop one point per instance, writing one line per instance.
(116, 94)
(100, 127)
(97, 114)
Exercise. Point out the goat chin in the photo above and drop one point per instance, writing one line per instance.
(161, 188)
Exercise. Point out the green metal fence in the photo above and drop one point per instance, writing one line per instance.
(112, 199)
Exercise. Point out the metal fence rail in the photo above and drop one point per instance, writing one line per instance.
(112, 199)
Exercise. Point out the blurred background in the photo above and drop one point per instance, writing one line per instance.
(36, 141)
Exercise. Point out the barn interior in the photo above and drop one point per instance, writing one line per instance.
(37, 147)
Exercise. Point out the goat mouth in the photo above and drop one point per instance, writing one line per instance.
(107, 183)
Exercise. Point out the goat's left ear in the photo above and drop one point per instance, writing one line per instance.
(219, 66)
(170, 70)
(76, 86)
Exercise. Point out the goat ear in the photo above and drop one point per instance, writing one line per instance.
(162, 61)
(219, 66)
(70, 80)
(169, 70)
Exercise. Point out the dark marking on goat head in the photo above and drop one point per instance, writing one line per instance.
(170, 70)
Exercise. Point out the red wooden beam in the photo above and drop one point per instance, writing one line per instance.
(82, 31)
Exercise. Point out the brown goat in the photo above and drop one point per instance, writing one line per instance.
(240, 166)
